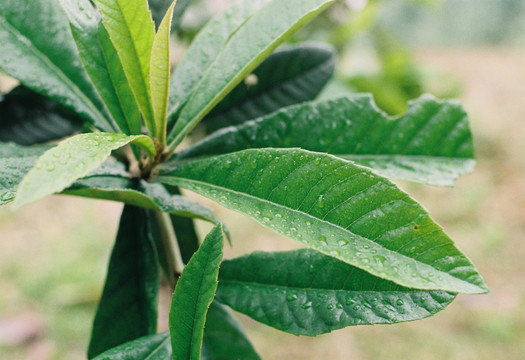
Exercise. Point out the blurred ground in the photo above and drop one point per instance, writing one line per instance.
(53, 253)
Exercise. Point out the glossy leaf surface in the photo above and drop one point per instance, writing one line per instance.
(289, 76)
(304, 292)
(193, 295)
(28, 118)
(102, 64)
(246, 49)
(132, 31)
(204, 49)
(160, 74)
(151, 347)
(15, 163)
(128, 307)
(338, 208)
(224, 338)
(431, 143)
(72, 159)
(47, 64)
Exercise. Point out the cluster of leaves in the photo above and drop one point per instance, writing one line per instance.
(315, 172)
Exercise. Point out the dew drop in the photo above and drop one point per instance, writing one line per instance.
(342, 242)
(330, 306)
(291, 297)
(400, 302)
(322, 240)
(307, 305)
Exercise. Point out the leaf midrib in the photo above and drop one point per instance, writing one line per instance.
(47, 61)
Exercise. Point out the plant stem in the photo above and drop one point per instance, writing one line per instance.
(171, 247)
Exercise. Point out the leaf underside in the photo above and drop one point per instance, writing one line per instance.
(431, 143)
(151, 347)
(336, 207)
(304, 292)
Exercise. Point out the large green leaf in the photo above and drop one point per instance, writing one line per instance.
(28, 118)
(289, 76)
(15, 163)
(431, 143)
(47, 64)
(160, 74)
(246, 49)
(132, 31)
(193, 295)
(72, 159)
(304, 292)
(102, 64)
(128, 306)
(203, 51)
(151, 347)
(336, 207)
(224, 338)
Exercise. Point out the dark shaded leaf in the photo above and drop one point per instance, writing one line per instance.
(224, 338)
(289, 76)
(27, 118)
(128, 307)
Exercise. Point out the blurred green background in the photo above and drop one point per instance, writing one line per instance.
(53, 253)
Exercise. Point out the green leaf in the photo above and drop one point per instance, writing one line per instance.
(160, 74)
(47, 64)
(289, 76)
(151, 347)
(72, 159)
(128, 307)
(430, 144)
(132, 31)
(112, 185)
(224, 338)
(193, 295)
(203, 51)
(28, 118)
(304, 292)
(15, 162)
(246, 49)
(102, 64)
(336, 207)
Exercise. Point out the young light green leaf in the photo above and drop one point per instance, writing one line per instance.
(128, 307)
(160, 74)
(72, 159)
(338, 208)
(132, 31)
(224, 338)
(289, 76)
(204, 49)
(246, 49)
(193, 295)
(47, 64)
(304, 292)
(28, 118)
(102, 64)
(151, 347)
(15, 163)
(430, 144)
